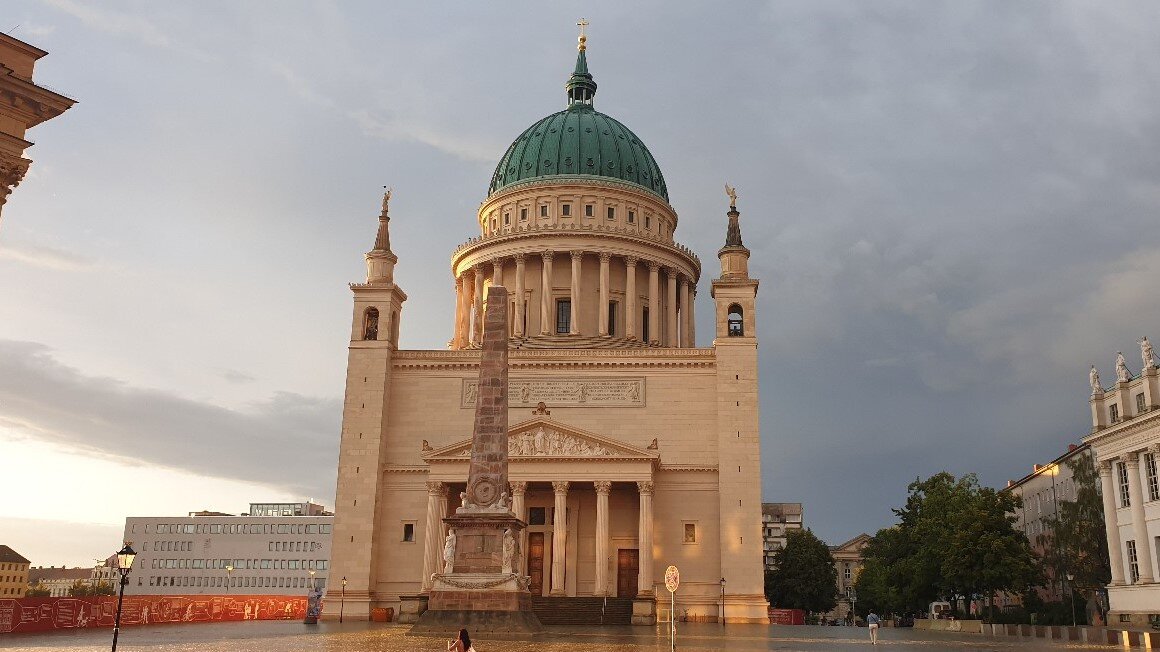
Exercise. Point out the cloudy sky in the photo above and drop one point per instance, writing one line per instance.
(952, 208)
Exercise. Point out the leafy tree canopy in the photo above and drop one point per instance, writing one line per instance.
(805, 576)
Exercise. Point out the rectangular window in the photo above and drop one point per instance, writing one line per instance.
(644, 334)
(325, 528)
(537, 516)
(1140, 403)
(690, 532)
(408, 532)
(566, 210)
(1133, 562)
(612, 318)
(1114, 413)
(563, 316)
(648, 222)
(1122, 474)
(1150, 469)
(847, 573)
(611, 213)
(507, 219)
(543, 210)
(632, 217)
(589, 210)
(523, 215)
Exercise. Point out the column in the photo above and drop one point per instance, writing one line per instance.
(518, 490)
(520, 269)
(654, 302)
(460, 311)
(477, 305)
(1139, 525)
(630, 315)
(574, 320)
(546, 325)
(602, 489)
(1111, 527)
(559, 536)
(433, 541)
(671, 312)
(602, 309)
(686, 342)
(692, 315)
(497, 271)
(644, 578)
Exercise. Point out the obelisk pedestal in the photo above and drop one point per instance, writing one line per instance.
(480, 587)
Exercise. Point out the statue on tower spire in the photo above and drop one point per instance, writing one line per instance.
(383, 237)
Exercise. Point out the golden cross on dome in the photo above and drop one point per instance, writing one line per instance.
(583, 37)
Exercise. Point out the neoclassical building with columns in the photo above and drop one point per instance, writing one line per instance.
(631, 447)
(1125, 444)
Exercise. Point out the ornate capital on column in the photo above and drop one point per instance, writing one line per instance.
(603, 486)
(497, 263)
(576, 254)
(1154, 449)
(653, 266)
(12, 171)
(547, 256)
(645, 488)
(1105, 467)
(605, 256)
(519, 487)
(631, 261)
(560, 487)
(1131, 459)
(435, 488)
(520, 258)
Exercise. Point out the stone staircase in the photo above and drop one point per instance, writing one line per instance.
(582, 611)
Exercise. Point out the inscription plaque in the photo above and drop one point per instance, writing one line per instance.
(587, 392)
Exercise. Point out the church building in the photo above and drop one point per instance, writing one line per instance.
(631, 447)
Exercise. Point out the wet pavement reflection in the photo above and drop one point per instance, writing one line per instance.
(281, 636)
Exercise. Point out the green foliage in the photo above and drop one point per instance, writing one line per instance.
(38, 591)
(1076, 541)
(85, 588)
(954, 538)
(103, 588)
(805, 576)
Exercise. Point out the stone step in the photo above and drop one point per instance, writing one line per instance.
(582, 610)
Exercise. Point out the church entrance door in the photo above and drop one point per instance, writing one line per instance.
(536, 562)
(627, 566)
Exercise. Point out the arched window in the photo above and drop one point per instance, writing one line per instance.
(371, 324)
(736, 321)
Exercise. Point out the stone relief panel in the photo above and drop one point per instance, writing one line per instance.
(587, 392)
(546, 442)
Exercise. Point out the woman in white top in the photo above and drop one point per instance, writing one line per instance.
(461, 644)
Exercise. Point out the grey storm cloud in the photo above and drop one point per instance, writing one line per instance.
(58, 404)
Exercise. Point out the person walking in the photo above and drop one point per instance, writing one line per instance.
(872, 621)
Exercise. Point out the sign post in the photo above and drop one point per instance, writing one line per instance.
(672, 581)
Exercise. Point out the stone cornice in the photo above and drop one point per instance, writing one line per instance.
(561, 358)
(705, 468)
(406, 469)
(555, 181)
(32, 102)
(1116, 434)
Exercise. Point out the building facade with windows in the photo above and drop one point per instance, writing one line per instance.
(1125, 443)
(254, 555)
(777, 519)
(13, 573)
(1042, 491)
(58, 581)
(848, 563)
(631, 447)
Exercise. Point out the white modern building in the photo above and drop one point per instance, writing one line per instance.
(1125, 441)
(249, 553)
(777, 519)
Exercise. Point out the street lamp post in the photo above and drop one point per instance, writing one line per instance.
(342, 599)
(229, 574)
(722, 603)
(1071, 587)
(125, 559)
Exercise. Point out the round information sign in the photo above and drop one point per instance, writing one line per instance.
(672, 579)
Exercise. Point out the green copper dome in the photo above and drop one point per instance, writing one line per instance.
(579, 142)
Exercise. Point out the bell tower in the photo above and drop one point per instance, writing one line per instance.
(374, 338)
(738, 431)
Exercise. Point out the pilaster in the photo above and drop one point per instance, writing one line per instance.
(1111, 526)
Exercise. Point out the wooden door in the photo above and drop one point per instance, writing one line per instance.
(536, 562)
(627, 567)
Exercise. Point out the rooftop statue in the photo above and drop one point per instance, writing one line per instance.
(1094, 381)
(1147, 354)
(732, 192)
(1122, 373)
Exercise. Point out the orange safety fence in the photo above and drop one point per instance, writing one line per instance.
(48, 614)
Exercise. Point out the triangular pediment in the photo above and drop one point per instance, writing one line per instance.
(542, 438)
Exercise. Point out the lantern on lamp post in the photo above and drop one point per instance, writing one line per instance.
(125, 558)
(722, 603)
(342, 599)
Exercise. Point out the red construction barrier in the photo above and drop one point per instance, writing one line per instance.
(46, 614)
(787, 617)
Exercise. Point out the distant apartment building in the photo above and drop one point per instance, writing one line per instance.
(275, 549)
(58, 581)
(1042, 491)
(13, 573)
(777, 519)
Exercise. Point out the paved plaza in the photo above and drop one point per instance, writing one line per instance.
(280, 636)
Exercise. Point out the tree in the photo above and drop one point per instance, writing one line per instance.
(805, 576)
(875, 590)
(38, 591)
(1076, 541)
(103, 588)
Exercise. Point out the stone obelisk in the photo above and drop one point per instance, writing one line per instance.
(480, 587)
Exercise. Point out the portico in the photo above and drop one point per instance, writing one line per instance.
(587, 501)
